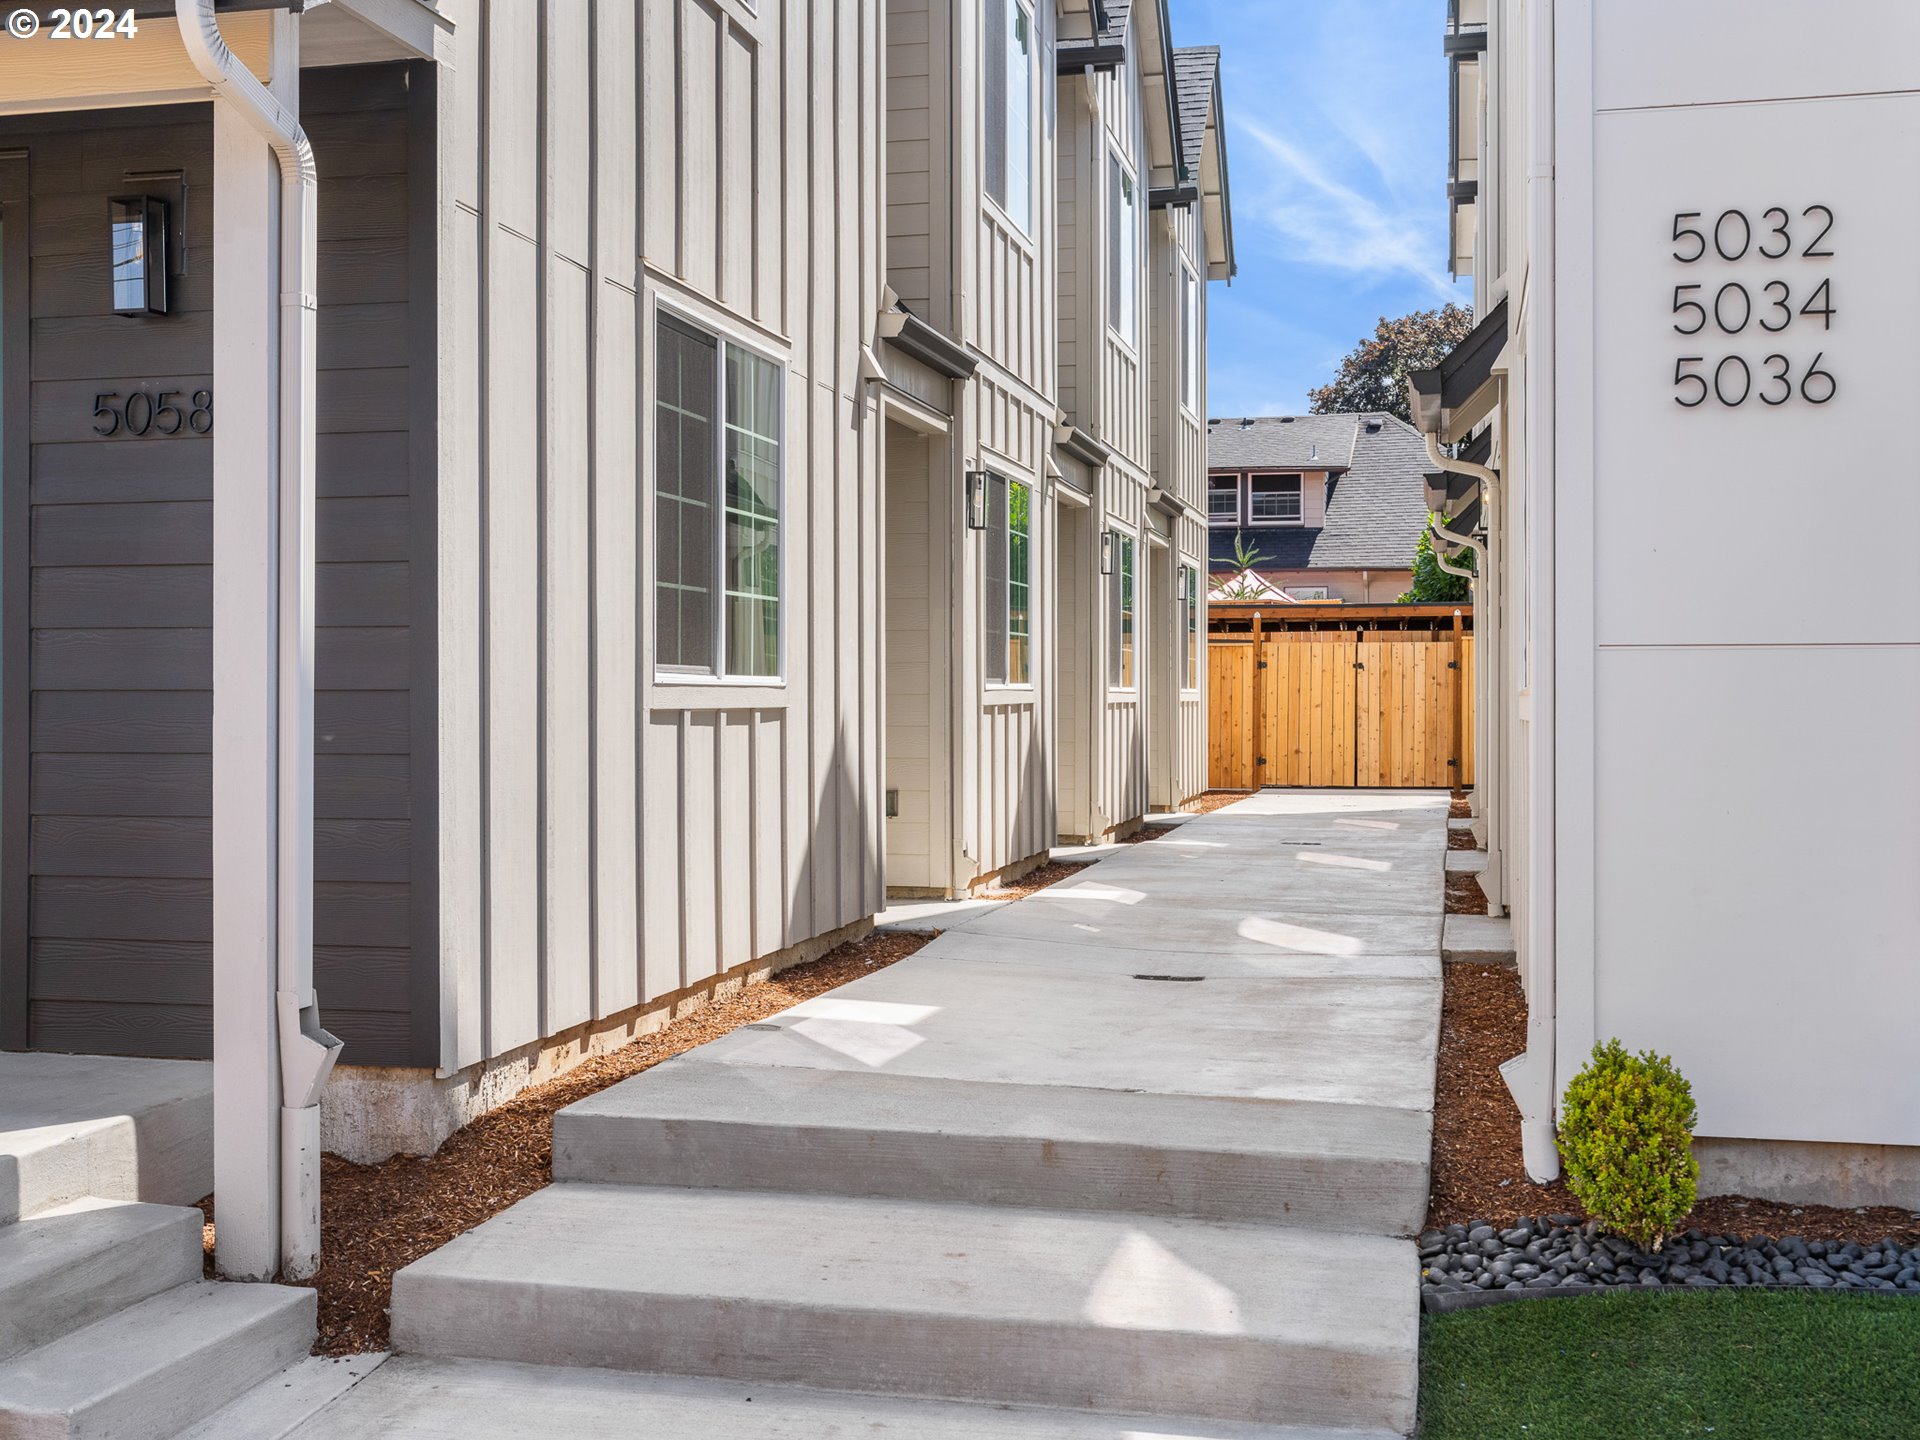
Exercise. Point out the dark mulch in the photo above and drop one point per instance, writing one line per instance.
(1477, 1169)
(375, 1219)
(1464, 895)
(1462, 808)
(1051, 873)
(1214, 800)
(1461, 840)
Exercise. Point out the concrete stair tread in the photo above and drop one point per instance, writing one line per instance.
(75, 1264)
(158, 1366)
(824, 1131)
(1088, 1311)
(283, 1403)
(412, 1398)
(1479, 939)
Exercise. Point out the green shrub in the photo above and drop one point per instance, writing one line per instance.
(1626, 1137)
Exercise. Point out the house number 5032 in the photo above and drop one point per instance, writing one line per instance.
(169, 412)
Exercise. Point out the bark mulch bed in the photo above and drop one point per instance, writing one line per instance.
(1461, 840)
(1477, 1171)
(1462, 808)
(1214, 800)
(375, 1219)
(1464, 895)
(1051, 873)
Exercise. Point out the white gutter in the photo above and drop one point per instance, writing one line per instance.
(306, 1051)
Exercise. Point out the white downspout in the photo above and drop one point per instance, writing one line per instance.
(306, 1051)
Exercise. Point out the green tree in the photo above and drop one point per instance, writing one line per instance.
(1374, 376)
(1431, 584)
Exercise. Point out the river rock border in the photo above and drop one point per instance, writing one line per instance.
(1480, 1263)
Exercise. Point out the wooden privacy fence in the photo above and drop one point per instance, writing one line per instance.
(1340, 709)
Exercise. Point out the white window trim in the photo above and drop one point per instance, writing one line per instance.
(1196, 632)
(1192, 360)
(1013, 690)
(1299, 522)
(1222, 522)
(675, 689)
(1109, 583)
(1023, 235)
(1129, 343)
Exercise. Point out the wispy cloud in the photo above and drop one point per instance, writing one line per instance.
(1325, 221)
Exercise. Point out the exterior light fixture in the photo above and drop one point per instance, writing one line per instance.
(1106, 552)
(976, 499)
(139, 254)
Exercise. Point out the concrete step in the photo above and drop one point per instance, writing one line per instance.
(152, 1370)
(1118, 1314)
(117, 1129)
(418, 1399)
(281, 1404)
(1466, 862)
(1478, 940)
(693, 1122)
(71, 1266)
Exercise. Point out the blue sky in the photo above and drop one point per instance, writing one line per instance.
(1337, 157)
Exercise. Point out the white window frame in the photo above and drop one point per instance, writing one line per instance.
(1000, 531)
(687, 680)
(1123, 664)
(1294, 521)
(1193, 640)
(1309, 592)
(1123, 219)
(1227, 522)
(1019, 70)
(1189, 338)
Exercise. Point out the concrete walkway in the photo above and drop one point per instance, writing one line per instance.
(1131, 1156)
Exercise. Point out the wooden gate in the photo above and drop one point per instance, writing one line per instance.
(1340, 710)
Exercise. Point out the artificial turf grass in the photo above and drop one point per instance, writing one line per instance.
(1734, 1364)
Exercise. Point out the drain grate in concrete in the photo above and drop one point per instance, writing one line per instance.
(1178, 979)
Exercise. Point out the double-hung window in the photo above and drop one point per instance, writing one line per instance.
(1273, 499)
(1190, 626)
(1123, 279)
(1009, 581)
(1223, 499)
(717, 481)
(1120, 606)
(1009, 108)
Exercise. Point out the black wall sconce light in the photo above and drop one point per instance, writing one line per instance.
(976, 499)
(1106, 552)
(139, 256)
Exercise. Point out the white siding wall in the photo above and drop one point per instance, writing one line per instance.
(605, 840)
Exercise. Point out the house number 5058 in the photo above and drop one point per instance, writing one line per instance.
(140, 414)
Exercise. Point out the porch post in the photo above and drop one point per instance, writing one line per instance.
(246, 903)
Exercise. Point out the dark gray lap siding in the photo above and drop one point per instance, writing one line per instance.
(118, 877)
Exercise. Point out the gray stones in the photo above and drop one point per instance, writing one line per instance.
(1557, 1253)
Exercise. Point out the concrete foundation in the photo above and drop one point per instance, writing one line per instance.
(369, 1113)
(1810, 1172)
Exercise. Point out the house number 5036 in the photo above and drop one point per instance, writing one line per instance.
(170, 412)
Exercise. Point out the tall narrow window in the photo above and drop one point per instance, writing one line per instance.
(1009, 108)
(1190, 625)
(717, 479)
(1009, 581)
(1123, 279)
(1120, 633)
(1189, 340)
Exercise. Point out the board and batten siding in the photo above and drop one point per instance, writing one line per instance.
(109, 640)
(606, 839)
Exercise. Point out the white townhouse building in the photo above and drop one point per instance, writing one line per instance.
(1056, 193)
(1690, 239)
(518, 513)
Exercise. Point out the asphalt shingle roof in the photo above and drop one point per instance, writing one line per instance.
(1193, 70)
(1375, 510)
(1282, 442)
(1117, 12)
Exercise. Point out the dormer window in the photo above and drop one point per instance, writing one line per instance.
(1274, 500)
(1223, 499)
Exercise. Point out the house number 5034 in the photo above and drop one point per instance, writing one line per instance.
(169, 412)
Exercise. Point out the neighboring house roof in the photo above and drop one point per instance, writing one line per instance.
(1115, 30)
(1375, 510)
(1194, 69)
(1283, 442)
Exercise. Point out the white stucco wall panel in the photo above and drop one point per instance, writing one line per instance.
(1696, 507)
(1704, 52)
(1757, 903)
